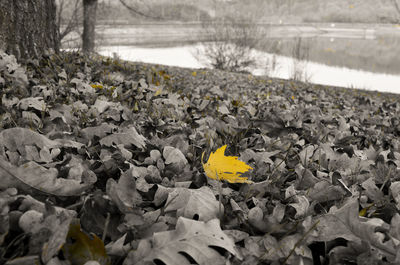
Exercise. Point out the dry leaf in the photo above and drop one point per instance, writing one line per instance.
(81, 248)
(229, 168)
(189, 203)
(34, 178)
(197, 240)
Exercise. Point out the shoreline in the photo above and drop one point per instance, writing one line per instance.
(258, 82)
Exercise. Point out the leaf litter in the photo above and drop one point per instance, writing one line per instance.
(101, 161)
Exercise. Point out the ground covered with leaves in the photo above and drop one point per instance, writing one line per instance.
(101, 163)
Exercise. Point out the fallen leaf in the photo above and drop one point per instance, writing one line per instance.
(81, 248)
(34, 103)
(229, 168)
(34, 178)
(190, 203)
(346, 223)
(124, 193)
(192, 238)
(129, 137)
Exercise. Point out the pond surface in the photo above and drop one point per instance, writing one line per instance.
(268, 64)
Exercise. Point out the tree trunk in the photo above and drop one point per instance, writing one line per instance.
(28, 27)
(89, 24)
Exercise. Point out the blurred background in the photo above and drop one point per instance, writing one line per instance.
(350, 43)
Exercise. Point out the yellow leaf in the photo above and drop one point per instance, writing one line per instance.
(229, 168)
(81, 248)
(97, 86)
(158, 92)
(194, 73)
(236, 103)
(363, 212)
(136, 106)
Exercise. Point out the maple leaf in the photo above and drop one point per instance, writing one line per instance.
(229, 168)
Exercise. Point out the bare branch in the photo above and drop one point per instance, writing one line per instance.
(136, 11)
(60, 10)
(396, 6)
(73, 21)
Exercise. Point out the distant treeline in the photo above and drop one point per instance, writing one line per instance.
(274, 11)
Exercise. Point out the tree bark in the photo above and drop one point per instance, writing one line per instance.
(89, 24)
(28, 28)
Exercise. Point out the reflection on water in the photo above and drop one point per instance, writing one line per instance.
(381, 54)
(284, 67)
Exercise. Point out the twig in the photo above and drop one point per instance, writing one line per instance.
(106, 227)
(274, 228)
(75, 205)
(277, 166)
(300, 240)
(136, 11)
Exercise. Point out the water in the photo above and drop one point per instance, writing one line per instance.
(284, 67)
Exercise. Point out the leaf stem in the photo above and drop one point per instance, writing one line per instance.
(219, 197)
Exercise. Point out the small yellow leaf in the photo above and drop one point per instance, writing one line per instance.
(158, 92)
(194, 73)
(363, 212)
(97, 86)
(81, 248)
(136, 106)
(229, 168)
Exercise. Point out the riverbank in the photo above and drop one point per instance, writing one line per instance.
(120, 147)
(190, 77)
(157, 33)
(369, 47)
(265, 64)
